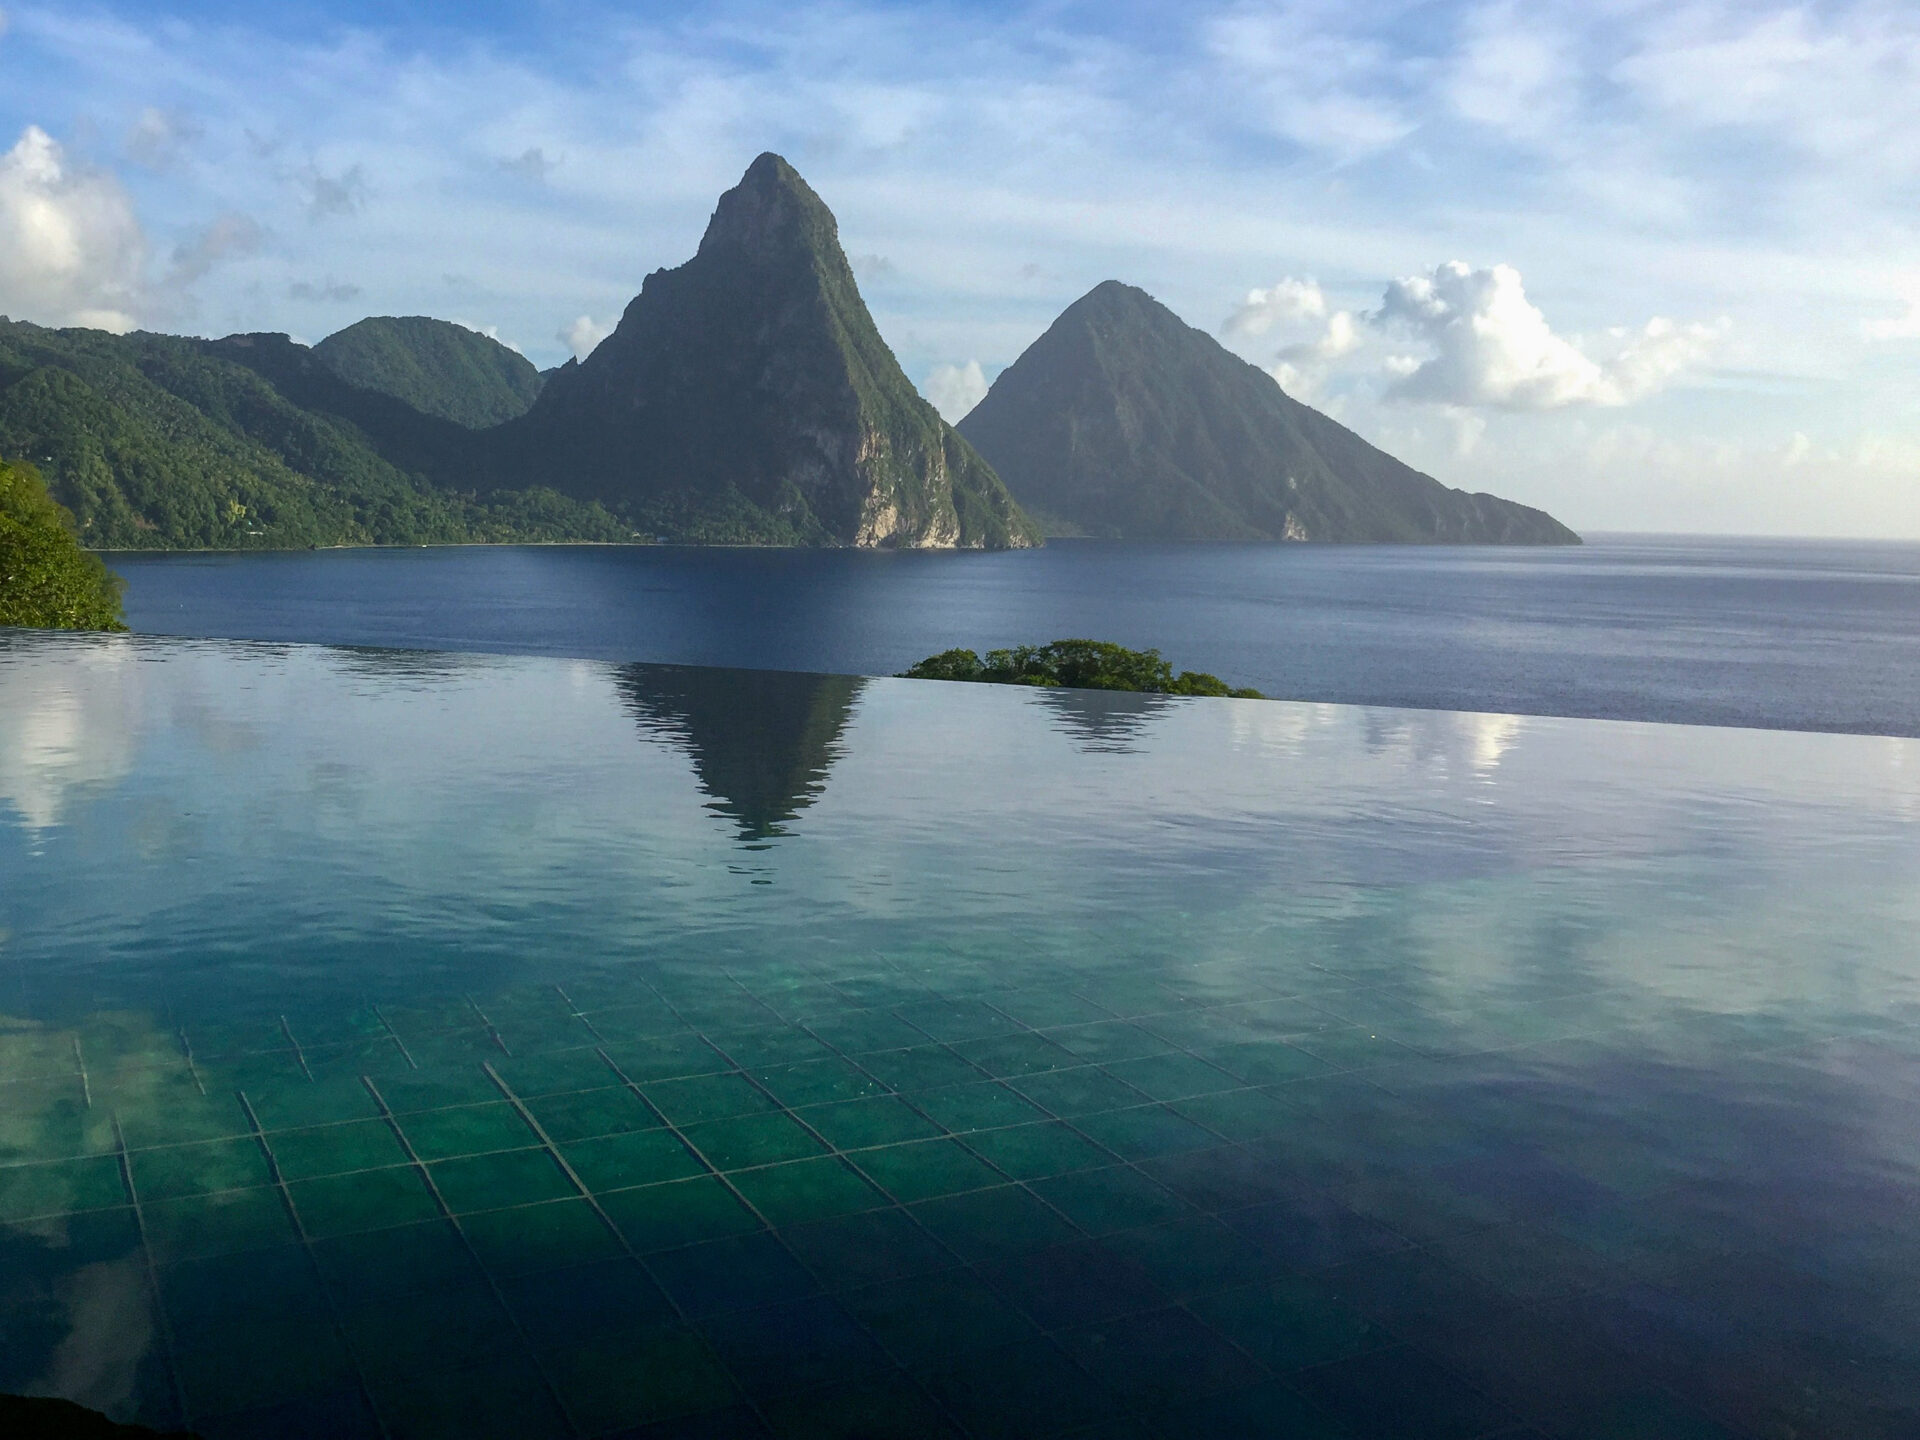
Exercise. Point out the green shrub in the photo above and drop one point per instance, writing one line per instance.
(47, 581)
(1078, 664)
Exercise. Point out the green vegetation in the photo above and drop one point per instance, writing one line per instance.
(47, 581)
(1124, 421)
(436, 367)
(158, 442)
(1078, 664)
(748, 396)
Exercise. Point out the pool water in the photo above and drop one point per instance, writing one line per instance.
(432, 1045)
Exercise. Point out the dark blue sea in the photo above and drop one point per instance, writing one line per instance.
(1791, 634)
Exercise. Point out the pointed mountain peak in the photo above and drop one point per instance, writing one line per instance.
(770, 213)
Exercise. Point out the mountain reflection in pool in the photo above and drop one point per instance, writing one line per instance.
(394, 1047)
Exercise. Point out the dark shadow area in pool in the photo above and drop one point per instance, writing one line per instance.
(761, 741)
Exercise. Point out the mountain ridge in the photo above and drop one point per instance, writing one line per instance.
(1124, 421)
(442, 369)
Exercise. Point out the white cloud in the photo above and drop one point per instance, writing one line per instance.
(1898, 327)
(1311, 79)
(1510, 76)
(1492, 346)
(1316, 334)
(953, 390)
(71, 249)
(583, 334)
(329, 195)
(530, 165)
(330, 291)
(159, 136)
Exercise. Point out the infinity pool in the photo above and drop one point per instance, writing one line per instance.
(425, 1045)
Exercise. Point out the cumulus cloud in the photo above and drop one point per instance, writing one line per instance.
(230, 236)
(1898, 327)
(158, 137)
(71, 249)
(1316, 334)
(531, 164)
(583, 334)
(872, 268)
(953, 390)
(1493, 347)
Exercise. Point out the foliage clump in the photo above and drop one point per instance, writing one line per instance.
(1075, 664)
(47, 582)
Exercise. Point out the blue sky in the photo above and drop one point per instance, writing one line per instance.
(1653, 266)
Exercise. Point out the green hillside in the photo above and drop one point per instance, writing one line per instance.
(436, 367)
(157, 442)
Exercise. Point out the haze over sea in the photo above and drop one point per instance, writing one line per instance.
(1789, 634)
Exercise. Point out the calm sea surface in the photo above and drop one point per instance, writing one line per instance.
(414, 1044)
(1816, 635)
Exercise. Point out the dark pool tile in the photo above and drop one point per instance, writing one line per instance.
(1263, 1062)
(1248, 1114)
(530, 1076)
(679, 1212)
(380, 1057)
(884, 1407)
(1269, 1411)
(205, 1294)
(1354, 1047)
(803, 1190)
(733, 1274)
(341, 1413)
(501, 1400)
(1011, 1055)
(1225, 1177)
(956, 1019)
(657, 1058)
(1159, 1359)
(983, 1105)
(876, 1245)
(295, 1102)
(986, 1225)
(1393, 1393)
(438, 1088)
(862, 1124)
(1018, 1391)
(590, 1114)
(57, 1186)
(1416, 1295)
(772, 1046)
(467, 1130)
(1118, 1197)
(640, 1157)
(1191, 1255)
(1310, 1230)
(801, 1345)
(1144, 1132)
(202, 1226)
(546, 1236)
(429, 1330)
(629, 1021)
(925, 1320)
(924, 1067)
(370, 1200)
(499, 1181)
(749, 1140)
(1047, 1007)
(174, 1171)
(1107, 1040)
(373, 1263)
(1076, 1283)
(335, 1149)
(1035, 1152)
(922, 1169)
(562, 1308)
(175, 1111)
(1070, 1093)
(863, 1032)
(636, 1378)
(1530, 1262)
(260, 1360)
(1171, 1076)
(706, 1098)
(815, 1082)
(1288, 1324)
(734, 1422)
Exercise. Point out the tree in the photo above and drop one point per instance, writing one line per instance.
(46, 580)
(1079, 664)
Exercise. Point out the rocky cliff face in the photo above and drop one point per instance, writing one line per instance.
(1122, 420)
(748, 395)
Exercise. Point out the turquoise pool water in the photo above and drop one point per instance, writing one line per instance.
(430, 1045)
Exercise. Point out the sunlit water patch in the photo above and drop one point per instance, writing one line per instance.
(418, 1044)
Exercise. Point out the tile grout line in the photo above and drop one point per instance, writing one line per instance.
(425, 1173)
(299, 1055)
(279, 1181)
(153, 1274)
(394, 1035)
(532, 1122)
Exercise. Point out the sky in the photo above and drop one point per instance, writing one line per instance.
(1651, 266)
